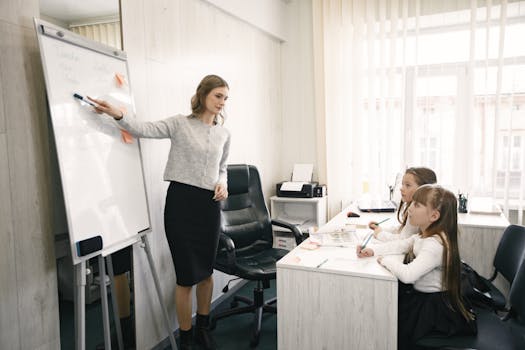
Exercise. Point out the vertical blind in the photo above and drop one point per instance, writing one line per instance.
(422, 83)
(107, 33)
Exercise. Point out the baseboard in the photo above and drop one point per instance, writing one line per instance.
(166, 342)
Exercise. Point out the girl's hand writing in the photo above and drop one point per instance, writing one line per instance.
(220, 192)
(364, 253)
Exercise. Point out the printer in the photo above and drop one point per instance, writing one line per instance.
(301, 185)
(307, 190)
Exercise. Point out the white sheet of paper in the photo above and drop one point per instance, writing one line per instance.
(292, 186)
(302, 172)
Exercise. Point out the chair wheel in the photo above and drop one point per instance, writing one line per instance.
(234, 304)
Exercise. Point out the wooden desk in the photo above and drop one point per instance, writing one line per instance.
(348, 303)
(479, 236)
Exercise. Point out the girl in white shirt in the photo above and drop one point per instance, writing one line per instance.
(412, 179)
(434, 304)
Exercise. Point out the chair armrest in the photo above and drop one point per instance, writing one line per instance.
(227, 243)
(493, 277)
(297, 234)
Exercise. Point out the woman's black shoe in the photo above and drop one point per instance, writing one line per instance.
(203, 335)
(186, 340)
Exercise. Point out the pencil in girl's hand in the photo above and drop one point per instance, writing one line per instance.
(380, 222)
(367, 239)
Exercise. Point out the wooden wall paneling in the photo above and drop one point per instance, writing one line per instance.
(155, 153)
(197, 39)
(19, 12)
(155, 29)
(27, 157)
(3, 85)
(9, 327)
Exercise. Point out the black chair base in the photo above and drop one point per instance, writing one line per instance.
(257, 306)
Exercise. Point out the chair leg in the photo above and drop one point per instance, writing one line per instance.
(271, 301)
(257, 327)
(236, 311)
(243, 299)
(258, 306)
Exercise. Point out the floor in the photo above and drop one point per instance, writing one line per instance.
(231, 333)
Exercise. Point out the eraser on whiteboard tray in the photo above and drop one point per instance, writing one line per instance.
(88, 246)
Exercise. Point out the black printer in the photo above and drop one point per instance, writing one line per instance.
(307, 191)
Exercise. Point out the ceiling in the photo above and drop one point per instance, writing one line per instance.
(75, 10)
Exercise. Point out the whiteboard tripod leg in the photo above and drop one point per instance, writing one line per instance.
(159, 293)
(104, 298)
(80, 306)
(116, 315)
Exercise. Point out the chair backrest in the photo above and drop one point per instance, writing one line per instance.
(245, 217)
(510, 252)
(517, 294)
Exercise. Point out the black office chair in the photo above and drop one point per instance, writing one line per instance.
(246, 243)
(493, 332)
(509, 255)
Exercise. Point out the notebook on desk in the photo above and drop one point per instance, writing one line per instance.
(376, 206)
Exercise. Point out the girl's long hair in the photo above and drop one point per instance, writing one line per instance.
(198, 101)
(423, 176)
(446, 228)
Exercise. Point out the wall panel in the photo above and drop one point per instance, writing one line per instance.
(19, 12)
(28, 286)
(171, 45)
(9, 327)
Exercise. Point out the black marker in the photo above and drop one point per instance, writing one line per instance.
(82, 98)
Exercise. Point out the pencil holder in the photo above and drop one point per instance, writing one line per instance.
(462, 203)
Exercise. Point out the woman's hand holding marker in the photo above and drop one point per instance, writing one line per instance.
(104, 107)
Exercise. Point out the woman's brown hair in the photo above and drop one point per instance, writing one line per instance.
(446, 228)
(423, 176)
(207, 84)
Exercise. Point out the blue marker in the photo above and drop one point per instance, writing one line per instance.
(82, 98)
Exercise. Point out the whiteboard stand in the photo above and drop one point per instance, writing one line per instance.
(80, 306)
(104, 300)
(167, 322)
(116, 315)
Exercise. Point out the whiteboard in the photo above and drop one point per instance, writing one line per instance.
(101, 174)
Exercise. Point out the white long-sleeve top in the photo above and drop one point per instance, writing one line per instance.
(394, 232)
(424, 271)
(198, 152)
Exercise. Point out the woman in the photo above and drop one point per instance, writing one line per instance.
(196, 169)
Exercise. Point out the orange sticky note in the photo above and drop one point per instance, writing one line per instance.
(126, 136)
(121, 81)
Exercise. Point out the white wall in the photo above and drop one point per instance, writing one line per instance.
(267, 15)
(298, 112)
(171, 46)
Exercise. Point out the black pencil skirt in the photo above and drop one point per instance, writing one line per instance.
(192, 222)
